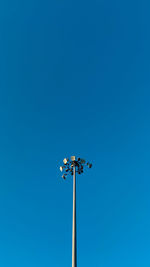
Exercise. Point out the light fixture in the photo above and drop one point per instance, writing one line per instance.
(73, 158)
(90, 165)
(76, 165)
(65, 161)
(61, 168)
(82, 161)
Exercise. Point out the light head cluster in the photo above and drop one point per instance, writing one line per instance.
(69, 165)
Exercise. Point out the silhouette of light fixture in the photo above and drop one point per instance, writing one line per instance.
(72, 167)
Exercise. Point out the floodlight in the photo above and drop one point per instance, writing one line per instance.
(73, 158)
(90, 165)
(61, 168)
(74, 165)
(65, 161)
(82, 161)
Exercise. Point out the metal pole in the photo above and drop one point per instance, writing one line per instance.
(74, 249)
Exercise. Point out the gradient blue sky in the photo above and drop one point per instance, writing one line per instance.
(75, 79)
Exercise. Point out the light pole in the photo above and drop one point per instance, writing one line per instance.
(72, 167)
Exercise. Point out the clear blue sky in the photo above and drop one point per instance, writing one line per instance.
(74, 79)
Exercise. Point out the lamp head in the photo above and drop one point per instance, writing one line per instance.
(65, 161)
(61, 168)
(73, 158)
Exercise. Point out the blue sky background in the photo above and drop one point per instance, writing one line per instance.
(74, 79)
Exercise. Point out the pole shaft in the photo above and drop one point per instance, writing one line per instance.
(74, 249)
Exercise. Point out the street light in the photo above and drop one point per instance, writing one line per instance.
(72, 167)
